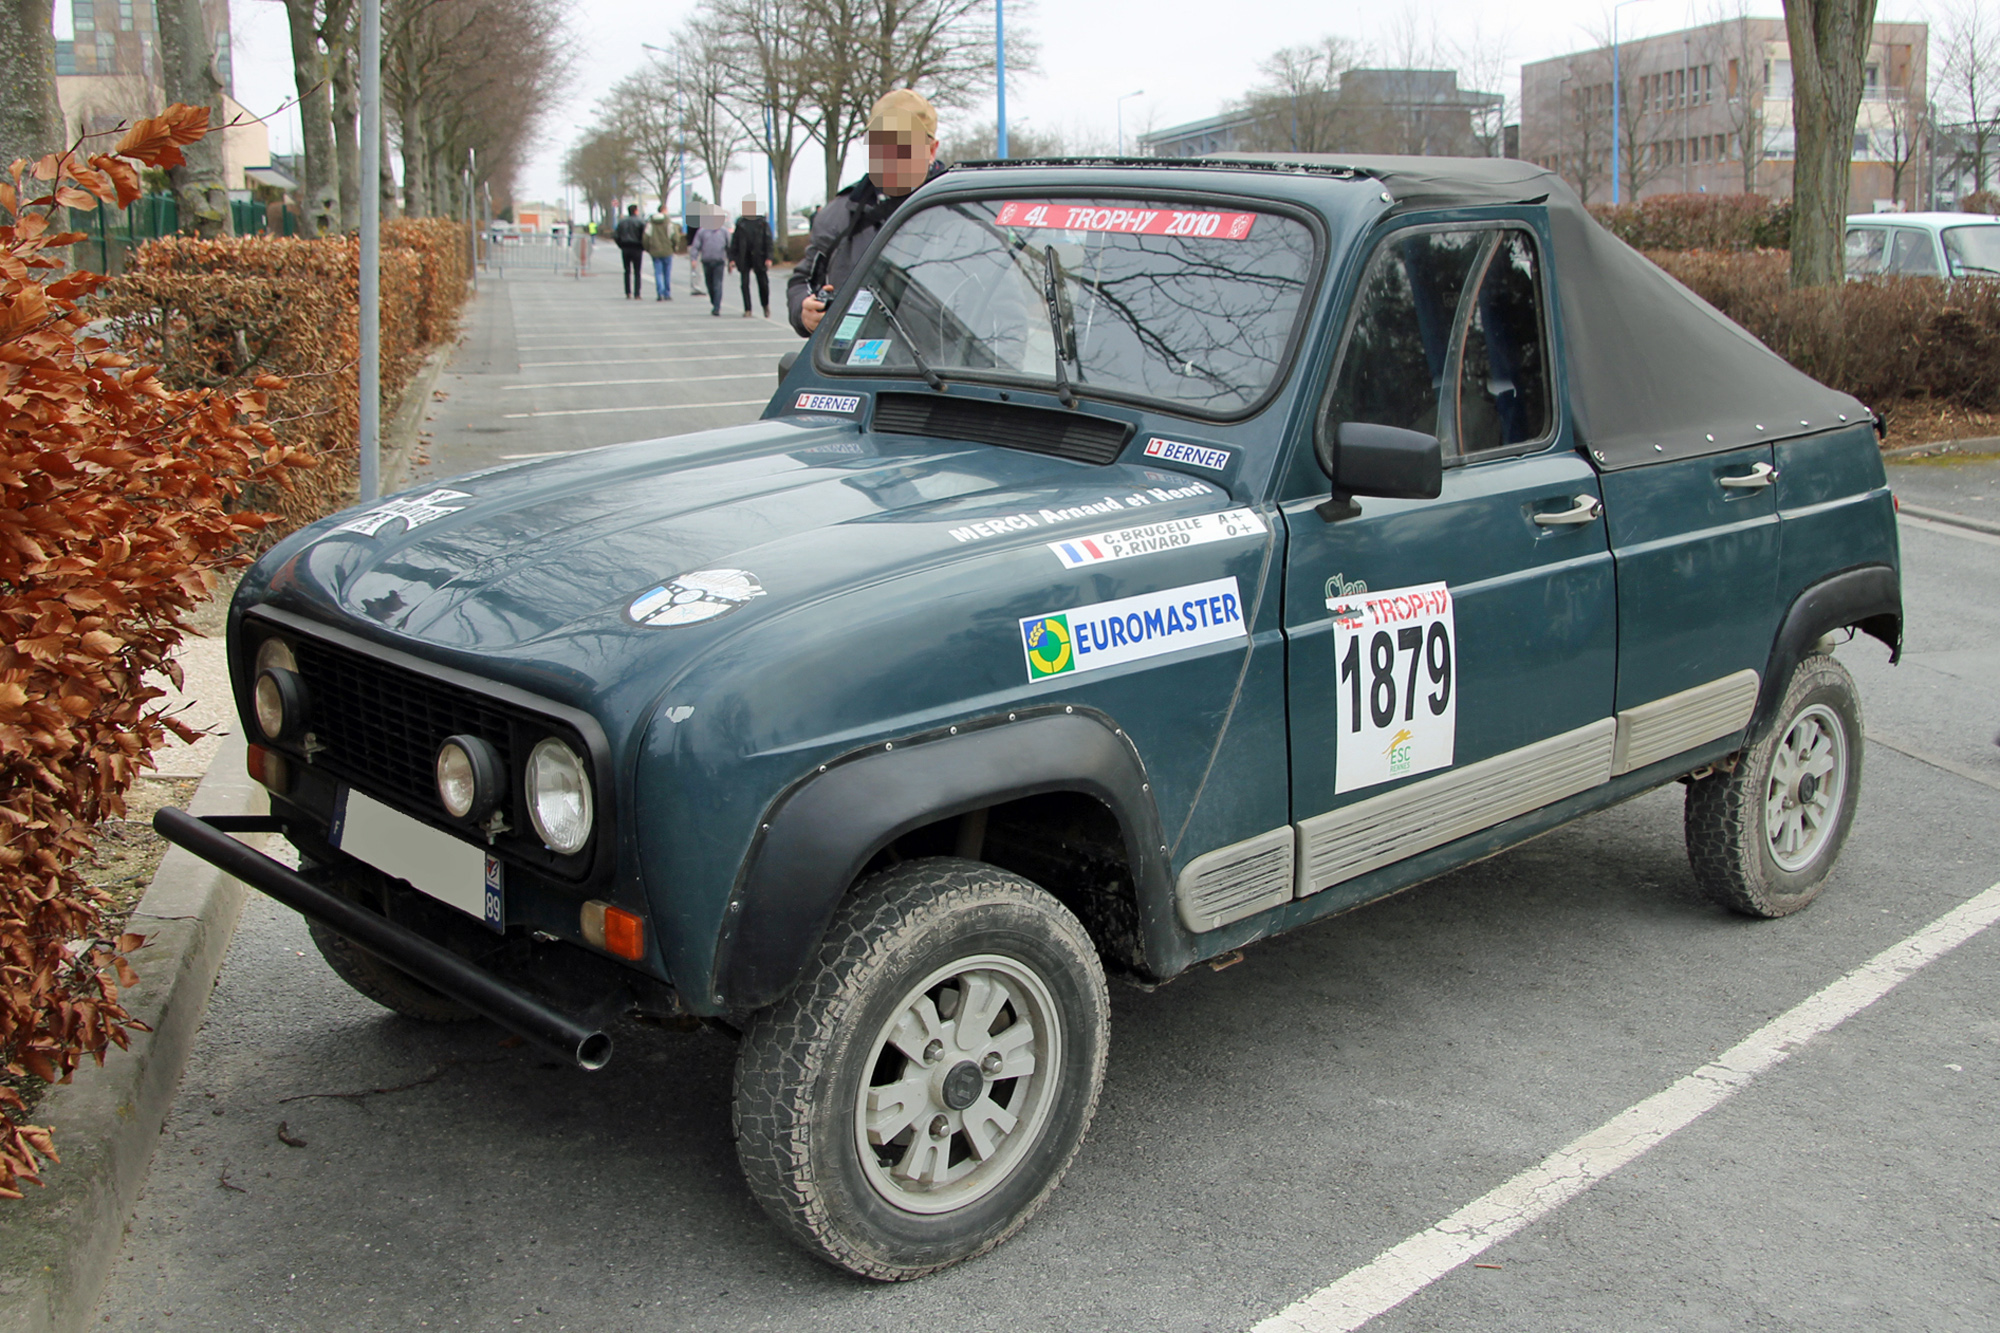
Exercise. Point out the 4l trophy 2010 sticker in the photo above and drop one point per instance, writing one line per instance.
(1396, 711)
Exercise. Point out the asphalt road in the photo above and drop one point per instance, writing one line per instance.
(1264, 1130)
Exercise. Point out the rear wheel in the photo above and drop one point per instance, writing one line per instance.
(923, 1089)
(1763, 837)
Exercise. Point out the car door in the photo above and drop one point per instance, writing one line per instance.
(1451, 660)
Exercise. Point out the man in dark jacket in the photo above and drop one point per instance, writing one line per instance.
(902, 154)
(750, 252)
(630, 234)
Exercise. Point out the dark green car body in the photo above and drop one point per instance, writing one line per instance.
(874, 691)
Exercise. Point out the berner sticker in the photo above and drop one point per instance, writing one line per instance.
(1396, 678)
(1173, 451)
(827, 402)
(1106, 634)
(1166, 535)
(413, 511)
(690, 599)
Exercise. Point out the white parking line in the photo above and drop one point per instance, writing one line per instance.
(671, 379)
(646, 360)
(653, 407)
(1397, 1274)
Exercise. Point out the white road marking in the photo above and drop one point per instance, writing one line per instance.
(669, 379)
(652, 407)
(1947, 529)
(1397, 1274)
(645, 360)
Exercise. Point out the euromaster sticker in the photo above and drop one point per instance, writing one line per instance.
(1166, 535)
(1107, 634)
(1173, 451)
(1396, 682)
(827, 402)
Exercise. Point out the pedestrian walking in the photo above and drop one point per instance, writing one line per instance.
(750, 252)
(902, 154)
(710, 247)
(663, 242)
(630, 235)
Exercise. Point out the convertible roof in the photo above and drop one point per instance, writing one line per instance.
(1655, 372)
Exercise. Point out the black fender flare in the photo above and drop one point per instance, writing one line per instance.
(1868, 598)
(816, 837)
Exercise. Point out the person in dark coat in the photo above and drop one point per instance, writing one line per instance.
(902, 154)
(750, 252)
(630, 234)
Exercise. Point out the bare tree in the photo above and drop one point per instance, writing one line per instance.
(764, 52)
(1909, 129)
(856, 50)
(711, 131)
(1731, 44)
(30, 121)
(603, 168)
(1483, 61)
(313, 78)
(1583, 124)
(1969, 85)
(1297, 108)
(646, 108)
(191, 75)
(1829, 41)
(342, 36)
(981, 142)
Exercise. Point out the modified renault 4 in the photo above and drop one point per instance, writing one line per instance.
(1143, 559)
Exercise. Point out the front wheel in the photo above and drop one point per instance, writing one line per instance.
(922, 1090)
(1763, 837)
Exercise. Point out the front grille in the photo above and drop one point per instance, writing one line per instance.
(1037, 430)
(381, 725)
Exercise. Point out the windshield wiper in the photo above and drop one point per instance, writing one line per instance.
(931, 377)
(1061, 324)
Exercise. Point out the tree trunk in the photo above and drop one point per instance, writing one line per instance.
(340, 40)
(390, 202)
(187, 64)
(1829, 41)
(309, 73)
(31, 123)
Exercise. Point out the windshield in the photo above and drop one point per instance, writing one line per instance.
(1190, 306)
(1973, 249)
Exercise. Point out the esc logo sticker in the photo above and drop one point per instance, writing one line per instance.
(1396, 707)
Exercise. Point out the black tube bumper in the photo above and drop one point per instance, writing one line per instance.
(474, 987)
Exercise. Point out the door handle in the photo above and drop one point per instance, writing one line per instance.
(1588, 507)
(1757, 478)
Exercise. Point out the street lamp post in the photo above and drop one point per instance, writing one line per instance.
(1000, 78)
(1137, 92)
(369, 372)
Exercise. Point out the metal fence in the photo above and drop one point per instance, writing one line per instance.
(538, 252)
(111, 234)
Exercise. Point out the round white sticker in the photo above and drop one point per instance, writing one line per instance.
(692, 598)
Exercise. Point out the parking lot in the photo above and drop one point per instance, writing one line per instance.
(1266, 1127)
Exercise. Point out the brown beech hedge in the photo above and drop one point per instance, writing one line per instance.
(119, 498)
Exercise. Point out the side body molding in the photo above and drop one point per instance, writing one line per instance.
(1869, 597)
(820, 832)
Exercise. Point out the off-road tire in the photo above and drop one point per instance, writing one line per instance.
(806, 1063)
(1728, 814)
(384, 983)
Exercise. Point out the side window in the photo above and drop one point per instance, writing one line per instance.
(1503, 386)
(1399, 348)
(1864, 249)
(1913, 256)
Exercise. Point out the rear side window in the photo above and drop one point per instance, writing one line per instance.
(1865, 248)
(1448, 337)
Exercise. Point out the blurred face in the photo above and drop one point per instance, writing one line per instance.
(749, 208)
(899, 159)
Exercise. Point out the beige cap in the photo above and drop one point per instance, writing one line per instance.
(904, 111)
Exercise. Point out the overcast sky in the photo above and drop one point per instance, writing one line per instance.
(1186, 58)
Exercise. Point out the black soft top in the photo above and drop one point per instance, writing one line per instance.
(1655, 372)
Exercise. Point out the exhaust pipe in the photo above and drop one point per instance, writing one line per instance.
(442, 970)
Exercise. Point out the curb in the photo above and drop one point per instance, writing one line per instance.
(1983, 444)
(58, 1244)
(1946, 516)
(404, 426)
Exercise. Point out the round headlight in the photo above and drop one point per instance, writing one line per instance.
(470, 780)
(559, 796)
(275, 652)
(279, 700)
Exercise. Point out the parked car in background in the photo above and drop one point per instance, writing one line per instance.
(1923, 245)
(1143, 559)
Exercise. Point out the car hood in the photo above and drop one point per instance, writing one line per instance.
(558, 560)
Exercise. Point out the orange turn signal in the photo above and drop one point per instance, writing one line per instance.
(614, 930)
(269, 768)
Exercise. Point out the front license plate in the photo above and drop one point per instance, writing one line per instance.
(433, 862)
